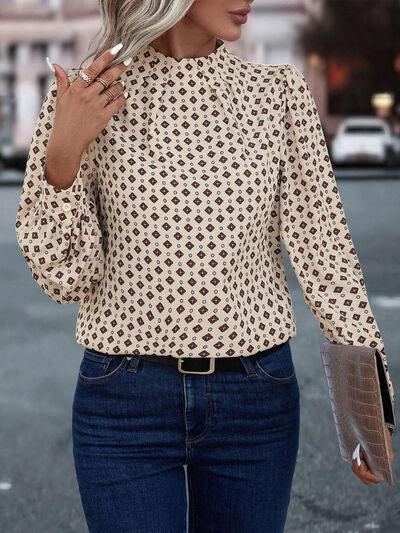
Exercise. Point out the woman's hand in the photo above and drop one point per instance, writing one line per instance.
(82, 111)
(363, 471)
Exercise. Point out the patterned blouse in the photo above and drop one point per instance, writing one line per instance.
(170, 236)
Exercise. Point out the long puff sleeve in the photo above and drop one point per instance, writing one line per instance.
(315, 233)
(57, 229)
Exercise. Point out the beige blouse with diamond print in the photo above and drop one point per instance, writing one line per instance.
(170, 236)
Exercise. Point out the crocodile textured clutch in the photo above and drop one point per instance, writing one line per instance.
(354, 388)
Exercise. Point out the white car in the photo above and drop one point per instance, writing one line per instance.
(363, 140)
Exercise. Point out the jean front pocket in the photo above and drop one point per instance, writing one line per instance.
(96, 368)
(276, 365)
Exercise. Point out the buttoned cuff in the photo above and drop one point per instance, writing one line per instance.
(62, 205)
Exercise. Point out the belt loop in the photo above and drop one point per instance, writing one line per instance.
(133, 362)
(248, 365)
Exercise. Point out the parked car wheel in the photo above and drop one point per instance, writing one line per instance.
(390, 158)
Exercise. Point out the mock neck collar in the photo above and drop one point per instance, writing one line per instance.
(149, 62)
(219, 52)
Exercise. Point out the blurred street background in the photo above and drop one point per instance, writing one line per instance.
(349, 52)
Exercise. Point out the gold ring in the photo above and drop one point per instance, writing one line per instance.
(102, 81)
(85, 77)
(109, 94)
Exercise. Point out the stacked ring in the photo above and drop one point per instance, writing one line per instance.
(102, 81)
(105, 84)
(85, 77)
(109, 94)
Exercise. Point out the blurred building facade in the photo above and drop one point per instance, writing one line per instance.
(270, 31)
(270, 37)
(30, 30)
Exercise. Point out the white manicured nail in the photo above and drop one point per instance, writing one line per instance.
(356, 454)
(126, 94)
(128, 61)
(50, 64)
(116, 49)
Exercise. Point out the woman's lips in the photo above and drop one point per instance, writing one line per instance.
(239, 19)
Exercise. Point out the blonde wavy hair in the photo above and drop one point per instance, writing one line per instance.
(135, 23)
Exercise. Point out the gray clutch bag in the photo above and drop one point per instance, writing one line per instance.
(352, 376)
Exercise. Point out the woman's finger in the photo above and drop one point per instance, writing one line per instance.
(97, 66)
(62, 80)
(115, 89)
(114, 106)
(110, 76)
(363, 471)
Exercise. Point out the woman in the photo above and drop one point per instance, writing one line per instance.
(160, 210)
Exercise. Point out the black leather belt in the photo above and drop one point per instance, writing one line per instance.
(202, 365)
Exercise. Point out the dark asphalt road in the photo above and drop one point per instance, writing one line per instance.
(40, 359)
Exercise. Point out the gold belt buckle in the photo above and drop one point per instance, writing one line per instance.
(209, 371)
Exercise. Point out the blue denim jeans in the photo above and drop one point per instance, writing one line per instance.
(135, 425)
